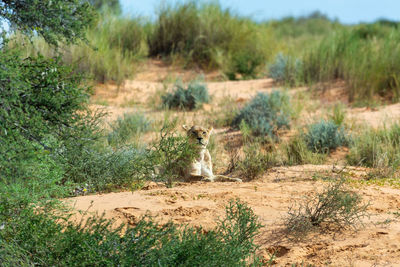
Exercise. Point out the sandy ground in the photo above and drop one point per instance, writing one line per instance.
(375, 244)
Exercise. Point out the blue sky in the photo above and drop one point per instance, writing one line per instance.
(347, 11)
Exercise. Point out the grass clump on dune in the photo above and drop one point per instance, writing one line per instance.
(377, 148)
(336, 206)
(191, 97)
(366, 57)
(127, 127)
(265, 114)
(324, 136)
(209, 36)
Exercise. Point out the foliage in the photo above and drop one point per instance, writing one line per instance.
(46, 238)
(102, 5)
(131, 125)
(189, 98)
(265, 114)
(338, 114)
(335, 206)
(285, 69)
(103, 168)
(53, 19)
(365, 57)
(376, 148)
(325, 136)
(116, 44)
(244, 62)
(206, 34)
(256, 161)
(298, 153)
(226, 112)
(41, 104)
(171, 154)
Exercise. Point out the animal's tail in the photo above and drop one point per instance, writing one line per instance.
(223, 178)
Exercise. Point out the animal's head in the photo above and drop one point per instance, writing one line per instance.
(198, 134)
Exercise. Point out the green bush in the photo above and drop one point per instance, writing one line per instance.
(43, 108)
(338, 114)
(325, 136)
(128, 127)
(205, 34)
(170, 155)
(103, 168)
(116, 45)
(255, 162)
(285, 69)
(376, 148)
(298, 153)
(189, 98)
(46, 239)
(335, 206)
(244, 62)
(365, 57)
(265, 114)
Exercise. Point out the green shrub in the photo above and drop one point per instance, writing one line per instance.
(245, 62)
(103, 168)
(189, 98)
(171, 154)
(205, 34)
(43, 108)
(325, 136)
(256, 162)
(366, 57)
(46, 239)
(285, 69)
(116, 45)
(265, 114)
(376, 148)
(338, 114)
(128, 127)
(298, 153)
(335, 206)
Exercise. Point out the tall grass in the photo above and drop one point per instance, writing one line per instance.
(114, 46)
(377, 148)
(205, 34)
(309, 49)
(366, 57)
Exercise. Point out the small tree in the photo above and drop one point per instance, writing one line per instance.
(55, 20)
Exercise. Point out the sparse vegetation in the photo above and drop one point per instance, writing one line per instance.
(265, 114)
(129, 127)
(285, 69)
(324, 136)
(297, 152)
(188, 98)
(256, 161)
(338, 114)
(336, 206)
(376, 148)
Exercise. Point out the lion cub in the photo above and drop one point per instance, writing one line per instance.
(201, 167)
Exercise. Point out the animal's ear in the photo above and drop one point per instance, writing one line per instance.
(185, 127)
(210, 130)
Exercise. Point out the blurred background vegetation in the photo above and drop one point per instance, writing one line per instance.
(292, 50)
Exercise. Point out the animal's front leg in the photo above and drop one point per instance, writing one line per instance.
(195, 168)
(206, 168)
